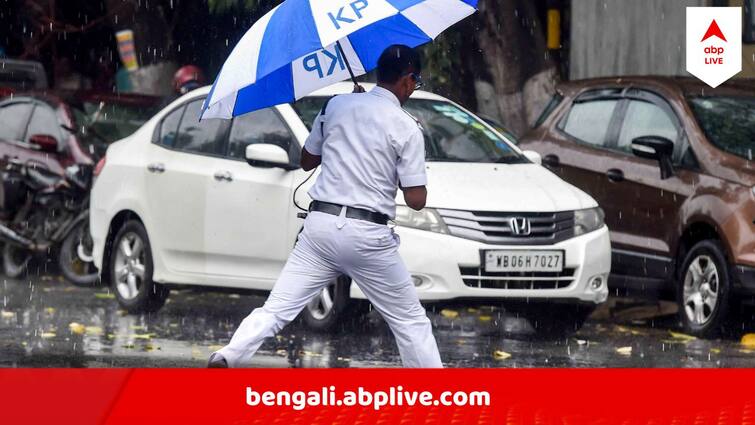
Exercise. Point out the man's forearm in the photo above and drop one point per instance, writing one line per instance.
(415, 197)
(309, 161)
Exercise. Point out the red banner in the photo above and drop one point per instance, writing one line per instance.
(554, 396)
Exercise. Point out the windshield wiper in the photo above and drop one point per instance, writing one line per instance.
(508, 159)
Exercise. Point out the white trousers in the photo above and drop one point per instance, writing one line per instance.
(328, 247)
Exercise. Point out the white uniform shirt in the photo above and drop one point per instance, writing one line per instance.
(368, 145)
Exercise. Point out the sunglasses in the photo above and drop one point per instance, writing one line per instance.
(417, 80)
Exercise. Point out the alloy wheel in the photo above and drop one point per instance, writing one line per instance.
(129, 265)
(701, 290)
(322, 304)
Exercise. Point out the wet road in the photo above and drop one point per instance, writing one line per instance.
(45, 322)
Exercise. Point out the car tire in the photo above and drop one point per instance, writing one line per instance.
(703, 289)
(131, 268)
(558, 321)
(75, 257)
(333, 308)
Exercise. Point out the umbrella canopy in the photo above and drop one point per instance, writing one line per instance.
(303, 45)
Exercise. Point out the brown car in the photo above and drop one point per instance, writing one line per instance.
(670, 160)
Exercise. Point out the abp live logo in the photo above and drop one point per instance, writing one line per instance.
(714, 43)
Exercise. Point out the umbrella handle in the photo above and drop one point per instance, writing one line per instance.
(346, 61)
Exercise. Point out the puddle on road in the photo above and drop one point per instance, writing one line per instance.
(49, 323)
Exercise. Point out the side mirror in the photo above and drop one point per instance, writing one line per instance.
(44, 142)
(268, 156)
(533, 156)
(658, 148)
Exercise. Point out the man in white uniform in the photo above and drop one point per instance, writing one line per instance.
(368, 147)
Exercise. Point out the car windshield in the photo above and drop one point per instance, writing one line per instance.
(451, 134)
(728, 122)
(105, 122)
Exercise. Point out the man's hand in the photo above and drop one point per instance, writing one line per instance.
(415, 197)
(358, 88)
(309, 161)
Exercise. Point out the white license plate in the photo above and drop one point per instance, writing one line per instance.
(524, 261)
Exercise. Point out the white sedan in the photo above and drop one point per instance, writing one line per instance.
(182, 202)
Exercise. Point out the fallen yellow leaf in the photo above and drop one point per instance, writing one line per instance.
(715, 350)
(103, 295)
(500, 355)
(681, 336)
(472, 310)
(624, 351)
(93, 330)
(484, 318)
(449, 314)
(142, 336)
(48, 335)
(77, 328)
(7, 314)
(748, 340)
(49, 310)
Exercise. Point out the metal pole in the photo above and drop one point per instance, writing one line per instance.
(346, 60)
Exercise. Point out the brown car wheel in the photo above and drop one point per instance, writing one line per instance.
(703, 289)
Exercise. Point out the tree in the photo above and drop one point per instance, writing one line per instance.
(522, 72)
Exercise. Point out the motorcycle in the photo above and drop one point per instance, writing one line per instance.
(45, 213)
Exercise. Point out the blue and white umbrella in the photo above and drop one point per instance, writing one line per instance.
(303, 45)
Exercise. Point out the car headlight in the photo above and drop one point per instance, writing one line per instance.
(425, 219)
(585, 221)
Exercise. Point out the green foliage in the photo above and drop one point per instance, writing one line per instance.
(222, 6)
(441, 58)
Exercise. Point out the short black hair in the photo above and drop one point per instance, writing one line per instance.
(396, 61)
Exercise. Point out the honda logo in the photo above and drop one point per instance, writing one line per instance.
(520, 226)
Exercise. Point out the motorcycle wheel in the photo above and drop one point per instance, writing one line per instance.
(75, 258)
(15, 261)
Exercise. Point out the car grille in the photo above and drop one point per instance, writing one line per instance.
(495, 227)
(475, 277)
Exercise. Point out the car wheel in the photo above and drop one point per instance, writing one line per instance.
(333, 307)
(703, 294)
(131, 271)
(75, 257)
(558, 321)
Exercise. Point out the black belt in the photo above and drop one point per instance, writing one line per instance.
(351, 212)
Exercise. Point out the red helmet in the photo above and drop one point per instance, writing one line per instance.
(188, 74)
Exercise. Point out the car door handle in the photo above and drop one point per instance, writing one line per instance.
(156, 167)
(223, 175)
(615, 175)
(551, 160)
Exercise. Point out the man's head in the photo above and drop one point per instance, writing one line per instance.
(399, 70)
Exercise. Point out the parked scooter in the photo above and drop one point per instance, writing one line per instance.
(46, 214)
